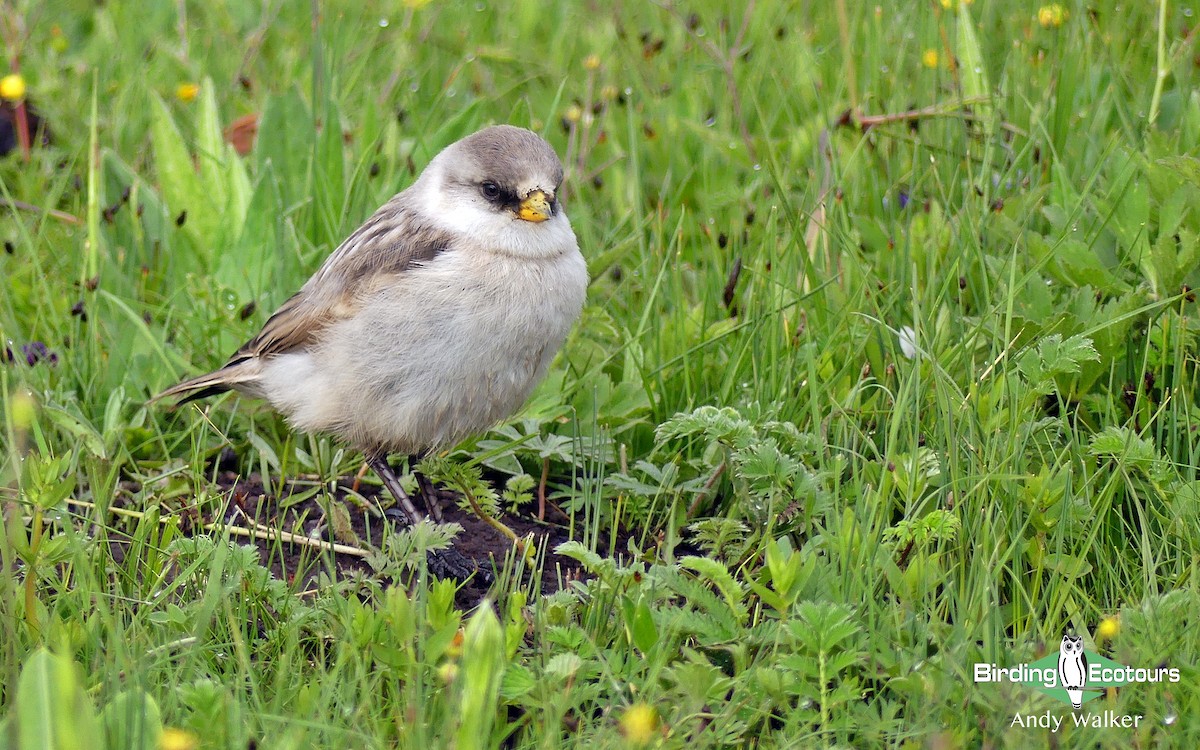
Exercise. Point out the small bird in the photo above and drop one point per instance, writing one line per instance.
(434, 319)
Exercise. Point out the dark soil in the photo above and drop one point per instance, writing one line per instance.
(474, 561)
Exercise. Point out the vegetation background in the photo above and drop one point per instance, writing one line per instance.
(889, 367)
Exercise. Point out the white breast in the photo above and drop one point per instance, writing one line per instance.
(453, 347)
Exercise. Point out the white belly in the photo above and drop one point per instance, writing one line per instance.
(447, 351)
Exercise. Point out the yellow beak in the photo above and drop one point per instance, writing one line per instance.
(536, 207)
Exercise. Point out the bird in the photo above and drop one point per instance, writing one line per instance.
(432, 321)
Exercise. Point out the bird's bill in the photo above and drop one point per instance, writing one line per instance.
(536, 207)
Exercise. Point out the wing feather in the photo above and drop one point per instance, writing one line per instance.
(389, 243)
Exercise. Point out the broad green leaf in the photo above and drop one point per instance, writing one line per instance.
(76, 425)
(1067, 566)
(972, 71)
(1077, 264)
(285, 146)
(180, 186)
(249, 266)
(132, 721)
(563, 666)
(639, 625)
(53, 710)
(482, 667)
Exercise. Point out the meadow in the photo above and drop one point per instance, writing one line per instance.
(888, 369)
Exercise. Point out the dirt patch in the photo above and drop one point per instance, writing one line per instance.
(310, 546)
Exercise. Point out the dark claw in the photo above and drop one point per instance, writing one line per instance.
(450, 563)
(397, 516)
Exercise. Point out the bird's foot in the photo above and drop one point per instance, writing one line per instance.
(451, 564)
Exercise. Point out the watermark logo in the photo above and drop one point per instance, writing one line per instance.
(1073, 669)
(1074, 676)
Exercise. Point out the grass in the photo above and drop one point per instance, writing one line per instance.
(818, 532)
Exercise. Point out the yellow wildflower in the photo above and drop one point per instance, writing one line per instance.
(177, 739)
(187, 92)
(591, 62)
(929, 58)
(639, 724)
(1108, 628)
(1052, 15)
(953, 4)
(12, 87)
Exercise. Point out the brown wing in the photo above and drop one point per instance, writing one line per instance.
(388, 243)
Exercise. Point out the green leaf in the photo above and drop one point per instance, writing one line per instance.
(1077, 264)
(286, 146)
(53, 711)
(823, 627)
(178, 183)
(80, 428)
(518, 682)
(132, 721)
(723, 425)
(716, 573)
(579, 552)
(639, 625)
(329, 179)
(1129, 450)
(1067, 566)
(1053, 357)
(248, 266)
(563, 666)
(1187, 167)
(972, 71)
(1173, 210)
(784, 565)
(480, 674)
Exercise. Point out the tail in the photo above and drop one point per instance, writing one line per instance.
(210, 384)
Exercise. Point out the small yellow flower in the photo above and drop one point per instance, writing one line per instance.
(1052, 15)
(929, 58)
(12, 87)
(574, 113)
(639, 724)
(953, 4)
(187, 92)
(591, 62)
(1108, 628)
(177, 739)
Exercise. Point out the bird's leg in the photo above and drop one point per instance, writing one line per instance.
(378, 462)
(430, 494)
(359, 476)
(446, 563)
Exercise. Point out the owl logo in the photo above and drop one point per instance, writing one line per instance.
(1072, 668)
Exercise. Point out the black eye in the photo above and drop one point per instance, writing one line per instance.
(490, 190)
